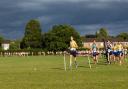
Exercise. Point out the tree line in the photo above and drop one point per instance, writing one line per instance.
(102, 34)
(57, 39)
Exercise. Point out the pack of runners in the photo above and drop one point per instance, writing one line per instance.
(114, 51)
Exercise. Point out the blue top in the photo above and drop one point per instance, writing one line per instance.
(94, 47)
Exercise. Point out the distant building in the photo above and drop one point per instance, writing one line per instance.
(89, 44)
(5, 44)
(89, 41)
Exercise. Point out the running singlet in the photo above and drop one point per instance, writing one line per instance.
(73, 44)
(115, 48)
(94, 47)
(109, 47)
(119, 47)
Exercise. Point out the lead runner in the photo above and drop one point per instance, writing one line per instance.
(73, 52)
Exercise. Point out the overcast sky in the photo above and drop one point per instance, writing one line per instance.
(86, 16)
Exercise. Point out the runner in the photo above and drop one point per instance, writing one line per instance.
(109, 51)
(115, 54)
(73, 52)
(120, 52)
(94, 52)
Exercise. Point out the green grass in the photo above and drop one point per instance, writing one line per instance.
(47, 72)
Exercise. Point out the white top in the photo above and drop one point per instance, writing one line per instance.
(73, 49)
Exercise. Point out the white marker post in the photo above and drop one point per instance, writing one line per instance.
(108, 58)
(64, 62)
(89, 62)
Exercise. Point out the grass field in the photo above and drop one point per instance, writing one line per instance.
(47, 72)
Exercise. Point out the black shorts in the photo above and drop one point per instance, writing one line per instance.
(73, 53)
(111, 52)
(95, 53)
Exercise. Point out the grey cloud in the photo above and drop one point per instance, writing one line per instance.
(85, 15)
(113, 28)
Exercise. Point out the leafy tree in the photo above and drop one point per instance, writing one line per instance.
(102, 34)
(123, 36)
(32, 36)
(15, 45)
(59, 37)
(1, 39)
(53, 43)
